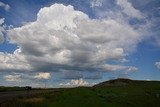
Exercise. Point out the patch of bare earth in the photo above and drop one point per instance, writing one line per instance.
(32, 100)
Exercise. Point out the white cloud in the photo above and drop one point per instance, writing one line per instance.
(27, 78)
(14, 62)
(96, 3)
(157, 64)
(42, 75)
(62, 37)
(5, 6)
(12, 78)
(75, 83)
(132, 69)
(109, 67)
(1, 30)
(129, 9)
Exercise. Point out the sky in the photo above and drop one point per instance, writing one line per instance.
(68, 43)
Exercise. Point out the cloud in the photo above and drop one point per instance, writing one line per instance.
(132, 69)
(2, 30)
(96, 3)
(128, 9)
(14, 62)
(109, 67)
(157, 64)
(93, 75)
(64, 38)
(70, 74)
(27, 78)
(42, 75)
(12, 78)
(75, 83)
(5, 6)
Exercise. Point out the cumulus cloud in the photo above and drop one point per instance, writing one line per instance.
(12, 78)
(75, 83)
(42, 75)
(129, 9)
(27, 78)
(64, 38)
(14, 62)
(157, 64)
(5, 6)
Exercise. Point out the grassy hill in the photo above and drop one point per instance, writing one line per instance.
(113, 93)
(125, 82)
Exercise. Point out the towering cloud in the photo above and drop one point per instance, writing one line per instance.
(66, 39)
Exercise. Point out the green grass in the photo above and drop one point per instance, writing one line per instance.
(133, 95)
(16, 88)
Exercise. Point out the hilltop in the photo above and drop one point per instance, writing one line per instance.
(123, 82)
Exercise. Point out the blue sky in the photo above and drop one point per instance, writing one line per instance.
(78, 42)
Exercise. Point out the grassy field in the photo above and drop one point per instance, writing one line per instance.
(16, 88)
(139, 94)
(3, 89)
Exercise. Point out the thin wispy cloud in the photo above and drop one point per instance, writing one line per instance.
(2, 30)
(157, 64)
(4, 6)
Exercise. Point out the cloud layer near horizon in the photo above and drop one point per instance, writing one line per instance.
(66, 39)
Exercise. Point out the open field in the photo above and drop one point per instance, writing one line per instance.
(126, 94)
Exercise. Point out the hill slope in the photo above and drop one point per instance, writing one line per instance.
(124, 82)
